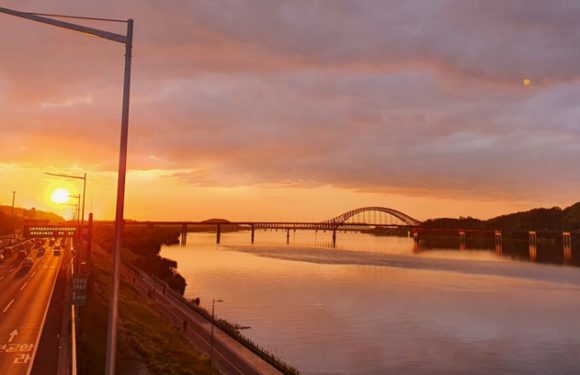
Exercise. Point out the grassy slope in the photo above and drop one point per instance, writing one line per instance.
(148, 342)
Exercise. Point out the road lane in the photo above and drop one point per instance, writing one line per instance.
(24, 298)
(14, 277)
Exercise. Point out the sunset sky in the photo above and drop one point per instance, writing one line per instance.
(297, 109)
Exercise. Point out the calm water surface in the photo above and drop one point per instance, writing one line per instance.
(375, 305)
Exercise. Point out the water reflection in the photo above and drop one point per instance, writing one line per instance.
(390, 305)
(567, 244)
(549, 251)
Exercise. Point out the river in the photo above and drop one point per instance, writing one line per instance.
(377, 305)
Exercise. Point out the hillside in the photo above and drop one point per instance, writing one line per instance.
(148, 342)
(32, 213)
(9, 222)
(540, 219)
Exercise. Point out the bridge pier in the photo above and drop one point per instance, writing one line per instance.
(567, 247)
(333, 237)
(498, 242)
(183, 234)
(461, 241)
(218, 234)
(533, 243)
(252, 235)
(287, 236)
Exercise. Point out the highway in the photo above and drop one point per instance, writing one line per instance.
(24, 299)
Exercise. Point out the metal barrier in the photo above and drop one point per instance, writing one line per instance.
(73, 317)
(73, 369)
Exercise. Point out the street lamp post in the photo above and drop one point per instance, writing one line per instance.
(84, 178)
(78, 196)
(75, 212)
(213, 301)
(13, 199)
(84, 197)
(127, 40)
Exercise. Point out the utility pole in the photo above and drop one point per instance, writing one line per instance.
(212, 324)
(13, 199)
(84, 197)
(127, 41)
(84, 178)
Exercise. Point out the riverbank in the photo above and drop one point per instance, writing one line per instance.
(142, 251)
(144, 245)
(148, 343)
(228, 353)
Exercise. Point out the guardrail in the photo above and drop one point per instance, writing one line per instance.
(73, 369)
(73, 334)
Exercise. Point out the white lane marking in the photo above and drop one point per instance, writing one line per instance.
(43, 319)
(8, 306)
(24, 285)
(2, 277)
(12, 269)
(15, 348)
(32, 274)
(22, 359)
(12, 334)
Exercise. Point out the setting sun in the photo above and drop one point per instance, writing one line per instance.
(399, 172)
(60, 196)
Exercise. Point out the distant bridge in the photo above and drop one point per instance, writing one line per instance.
(360, 217)
(373, 213)
(364, 217)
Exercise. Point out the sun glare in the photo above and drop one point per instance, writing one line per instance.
(60, 196)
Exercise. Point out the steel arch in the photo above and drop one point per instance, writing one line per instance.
(341, 219)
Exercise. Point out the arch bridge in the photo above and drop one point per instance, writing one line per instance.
(356, 219)
(360, 217)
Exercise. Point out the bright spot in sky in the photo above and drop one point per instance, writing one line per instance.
(526, 81)
(60, 196)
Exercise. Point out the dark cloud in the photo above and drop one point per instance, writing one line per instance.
(416, 96)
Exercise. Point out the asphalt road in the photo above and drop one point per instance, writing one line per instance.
(24, 298)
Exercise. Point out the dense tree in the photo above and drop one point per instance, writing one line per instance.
(539, 219)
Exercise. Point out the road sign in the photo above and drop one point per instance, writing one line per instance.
(44, 231)
(79, 290)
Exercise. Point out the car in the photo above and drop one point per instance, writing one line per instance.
(2, 258)
(41, 251)
(56, 251)
(27, 263)
(22, 254)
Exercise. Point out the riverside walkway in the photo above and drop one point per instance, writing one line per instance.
(229, 356)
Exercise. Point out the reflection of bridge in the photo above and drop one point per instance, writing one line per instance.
(360, 218)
